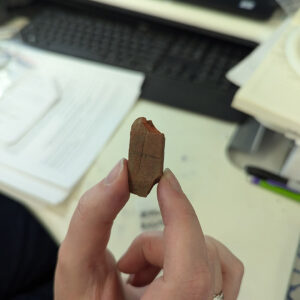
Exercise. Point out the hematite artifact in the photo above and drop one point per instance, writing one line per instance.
(146, 157)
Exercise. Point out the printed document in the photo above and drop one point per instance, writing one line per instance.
(89, 102)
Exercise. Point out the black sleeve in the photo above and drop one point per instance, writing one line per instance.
(27, 254)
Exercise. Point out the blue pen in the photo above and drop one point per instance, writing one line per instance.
(275, 179)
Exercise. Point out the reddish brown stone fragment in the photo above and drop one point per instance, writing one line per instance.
(146, 157)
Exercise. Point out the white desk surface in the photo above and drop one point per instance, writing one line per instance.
(260, 227)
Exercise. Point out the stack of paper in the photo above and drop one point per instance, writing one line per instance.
(272, 93)
(61, 114)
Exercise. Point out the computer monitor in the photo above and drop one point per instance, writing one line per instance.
(201, 16)
(259, 9)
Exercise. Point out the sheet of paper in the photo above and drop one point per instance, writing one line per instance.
(93, 100)
(23, 104)
(289, 6)
(242, 72)
(22, 186)
(271, 95)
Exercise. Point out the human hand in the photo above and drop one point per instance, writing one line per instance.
(194, 267)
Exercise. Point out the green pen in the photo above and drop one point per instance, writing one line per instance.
(278, 190)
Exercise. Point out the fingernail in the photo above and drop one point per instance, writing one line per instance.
(130, 279)
(172, 180)
(114, 173)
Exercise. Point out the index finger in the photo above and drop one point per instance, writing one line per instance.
(92, 220)
(185, 256)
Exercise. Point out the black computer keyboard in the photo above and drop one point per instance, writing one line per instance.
(183, 69)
